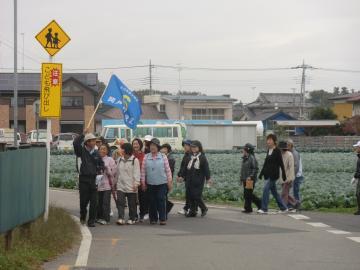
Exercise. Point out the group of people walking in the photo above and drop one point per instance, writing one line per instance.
(138, 176)
(282, 162)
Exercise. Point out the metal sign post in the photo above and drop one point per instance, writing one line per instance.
(52, 38)
(15, 77)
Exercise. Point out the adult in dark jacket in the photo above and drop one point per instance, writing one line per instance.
(248, 177)
(357, 176)
(166, 150)
(91, 166)
(197, 172)
(271, 172)
(181, 174)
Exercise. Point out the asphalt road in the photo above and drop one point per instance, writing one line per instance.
(225, 239)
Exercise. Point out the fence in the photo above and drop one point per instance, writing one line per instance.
(22, 186)
(321, 143)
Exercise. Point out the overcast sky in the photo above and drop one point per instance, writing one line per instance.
(196, 33)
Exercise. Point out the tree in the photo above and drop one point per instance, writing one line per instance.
(322, 113)
(320, 97)
(352, 126)
(336, 91)
(344, 91)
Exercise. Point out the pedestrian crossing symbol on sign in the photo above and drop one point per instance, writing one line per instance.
(52, 38)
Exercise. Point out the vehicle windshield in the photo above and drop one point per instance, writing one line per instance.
(42, 135)
(65, 137)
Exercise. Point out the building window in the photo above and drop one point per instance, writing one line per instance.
(162, 108)
(162, 132)
(71, 88)
(208, 114)
(69, 102)
(21, 102)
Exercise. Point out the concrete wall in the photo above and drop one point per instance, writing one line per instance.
(220, 137)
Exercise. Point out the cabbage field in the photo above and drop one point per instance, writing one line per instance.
(326, 184)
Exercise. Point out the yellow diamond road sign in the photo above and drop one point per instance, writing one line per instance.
(52, 38)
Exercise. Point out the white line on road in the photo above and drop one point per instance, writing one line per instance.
(318, 224)
(84, 249)
(356, 239)
(299, 216)
(338, 232)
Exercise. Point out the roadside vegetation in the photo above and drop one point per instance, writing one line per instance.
(43, 242)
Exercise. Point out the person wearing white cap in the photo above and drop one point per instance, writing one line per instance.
(91, 166)
(147, 141)
(357, 177)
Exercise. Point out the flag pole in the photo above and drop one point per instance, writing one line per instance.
(96, 108)
(93, 114)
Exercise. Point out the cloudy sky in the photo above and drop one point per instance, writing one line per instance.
(198, 33)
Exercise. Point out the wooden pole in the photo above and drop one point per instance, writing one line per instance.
(92, 116)
(8, 240)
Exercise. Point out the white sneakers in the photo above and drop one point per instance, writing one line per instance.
(262, 212)
(122, 222)
(146, 217)
(102, 222)
(182, 212)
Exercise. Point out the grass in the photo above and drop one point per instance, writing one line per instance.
(340, 210)
(45, 242)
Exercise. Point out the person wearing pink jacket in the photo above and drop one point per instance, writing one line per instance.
(105, 185)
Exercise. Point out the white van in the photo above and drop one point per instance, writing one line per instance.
(172, 134)
(32, 136)
(7, 136)
(63, 141)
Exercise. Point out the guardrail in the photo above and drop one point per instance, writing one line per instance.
(22, 186)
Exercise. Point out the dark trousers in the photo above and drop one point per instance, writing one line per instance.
(358, 194)
(103, 210)
(121, 202)
(157, 199)
(88, 194)
(143, 202)
(187, 198)
(250, 198)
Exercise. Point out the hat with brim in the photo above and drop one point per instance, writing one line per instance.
(89, 137)
(195, 144)
(148, 138)
(283, 145)
(357, 144)
(186, 142)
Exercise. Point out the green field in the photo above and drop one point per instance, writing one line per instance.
(326, 185)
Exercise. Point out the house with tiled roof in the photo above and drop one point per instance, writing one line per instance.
(346, 106)
(271, 103)
(79, 96)
(193, 107)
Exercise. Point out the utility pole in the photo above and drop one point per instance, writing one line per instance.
(150, 77)
(304, 67)
(15, 77)
(179, 93)
(23, 51)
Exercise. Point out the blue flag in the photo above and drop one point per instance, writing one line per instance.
(118, 95)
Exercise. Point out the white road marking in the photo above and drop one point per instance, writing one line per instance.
(85, 245)
(318, 224)
(338, 232)
(299, 216)
(356, 239)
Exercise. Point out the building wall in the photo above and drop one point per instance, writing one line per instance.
(356, 109)
(4, 113)
(172, 109)
(343, 110)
